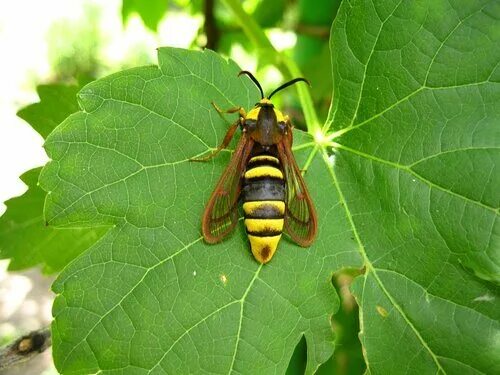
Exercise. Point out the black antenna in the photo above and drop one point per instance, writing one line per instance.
(289, 83)
(254, 81)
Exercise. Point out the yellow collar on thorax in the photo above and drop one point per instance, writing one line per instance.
(253, 114)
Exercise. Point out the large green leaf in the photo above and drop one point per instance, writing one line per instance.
(150, 295)
(24, 237)
(404, 179)
(56, 103)
(416, 121)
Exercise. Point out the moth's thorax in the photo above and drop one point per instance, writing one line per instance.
(265, 124)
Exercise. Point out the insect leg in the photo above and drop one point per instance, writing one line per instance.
(240, 110)
(227, 138)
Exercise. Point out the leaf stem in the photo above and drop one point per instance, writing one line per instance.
(284, 63)
(313, 125)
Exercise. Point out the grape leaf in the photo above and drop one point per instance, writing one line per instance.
(24, 237)
(56, 103)
(151, 295)
(416, 122)
(27, 242)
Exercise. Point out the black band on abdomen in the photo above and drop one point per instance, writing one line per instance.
(267, 189)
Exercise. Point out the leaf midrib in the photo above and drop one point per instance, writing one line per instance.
(409, 170)
(435, 296)
(382, 23)
(369, 266)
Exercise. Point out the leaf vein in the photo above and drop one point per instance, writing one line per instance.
(370, 267)
(85, 338)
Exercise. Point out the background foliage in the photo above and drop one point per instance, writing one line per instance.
(403, 169)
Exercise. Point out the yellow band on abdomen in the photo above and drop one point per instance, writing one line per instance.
(263, 171)
(251, 207)
(257, 226)
(265, 157)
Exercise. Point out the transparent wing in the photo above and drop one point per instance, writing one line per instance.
(221, 213)
(300, 216)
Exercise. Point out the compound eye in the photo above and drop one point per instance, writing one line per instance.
(282, 127)
(250, 124)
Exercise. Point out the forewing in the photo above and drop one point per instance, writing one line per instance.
(300, 215)
(221, 213)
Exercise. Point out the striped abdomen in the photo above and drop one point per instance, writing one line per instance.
(264, 205)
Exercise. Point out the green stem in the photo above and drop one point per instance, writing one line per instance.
(284, 63)
(313, 125)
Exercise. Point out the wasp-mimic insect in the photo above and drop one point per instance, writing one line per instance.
(264, 174)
